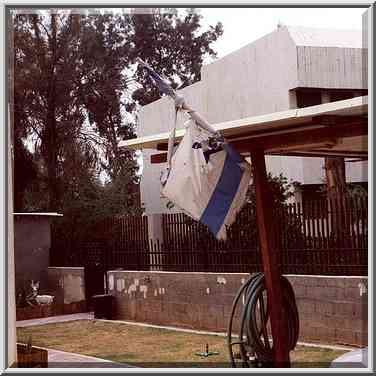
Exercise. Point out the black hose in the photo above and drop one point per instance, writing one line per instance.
(255, 348)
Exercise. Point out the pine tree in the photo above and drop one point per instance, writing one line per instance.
(174, 45)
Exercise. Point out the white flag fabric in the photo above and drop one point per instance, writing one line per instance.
(209, 184)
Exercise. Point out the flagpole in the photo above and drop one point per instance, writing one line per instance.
(194, 115)
(180, 103)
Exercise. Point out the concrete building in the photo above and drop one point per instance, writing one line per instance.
(289, 68)
(32, 243)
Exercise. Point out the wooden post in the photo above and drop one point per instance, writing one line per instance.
(269, 253)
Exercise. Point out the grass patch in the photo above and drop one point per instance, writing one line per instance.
(149, 347)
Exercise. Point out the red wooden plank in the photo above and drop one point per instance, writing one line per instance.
(302, 138)
(269, 253)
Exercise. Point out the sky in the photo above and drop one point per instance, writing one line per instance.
(244, 25)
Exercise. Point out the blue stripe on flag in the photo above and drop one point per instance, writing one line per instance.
(225, 191)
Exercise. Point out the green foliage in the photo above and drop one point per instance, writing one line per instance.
(73, 101)
(353, 190)
(281, 189)
(356, 190)
(174, 45)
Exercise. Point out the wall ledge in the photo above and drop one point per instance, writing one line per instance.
(229, 274)
(47, 214)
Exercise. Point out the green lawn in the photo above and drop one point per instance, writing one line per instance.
(149, 347)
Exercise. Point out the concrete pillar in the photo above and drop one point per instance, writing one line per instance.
(292, 99)
(155, 231)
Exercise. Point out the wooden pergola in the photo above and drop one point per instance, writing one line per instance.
(337, 129)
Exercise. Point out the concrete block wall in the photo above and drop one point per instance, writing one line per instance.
(334, 308)
(331, 309)
(67, 285)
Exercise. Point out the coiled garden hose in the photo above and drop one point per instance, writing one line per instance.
(255, 347)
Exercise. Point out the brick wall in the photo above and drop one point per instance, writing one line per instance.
(331, 309)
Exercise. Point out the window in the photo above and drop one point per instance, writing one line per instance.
(306, 97)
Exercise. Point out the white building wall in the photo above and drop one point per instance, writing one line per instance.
(291, 167)
(159, 116)
(255, 80)
(356, 171)
(331, 67)
(313, 170)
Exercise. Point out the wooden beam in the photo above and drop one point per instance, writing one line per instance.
(336, 119)
(305, 146)
(282, 144)
(313, 136)
(265, 123)
(267, 229)
(323, 153)
(356, 160)
(340, 153)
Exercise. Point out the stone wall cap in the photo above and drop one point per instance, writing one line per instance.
(237, 274)
(174, 272)
(46, 214)
(326, 276)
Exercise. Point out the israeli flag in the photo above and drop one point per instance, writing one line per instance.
(207, 182)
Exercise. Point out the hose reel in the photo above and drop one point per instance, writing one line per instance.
(255, 345)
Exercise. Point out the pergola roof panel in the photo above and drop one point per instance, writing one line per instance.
(337, 126)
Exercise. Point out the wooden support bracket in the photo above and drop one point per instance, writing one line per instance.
(333, 129)
(270, 258)
(337, 120)
(300, 137)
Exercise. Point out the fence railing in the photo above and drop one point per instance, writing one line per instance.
(314, 238)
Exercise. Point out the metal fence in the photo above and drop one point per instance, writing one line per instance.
(315, 238)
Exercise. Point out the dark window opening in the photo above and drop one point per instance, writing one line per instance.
(306, 97)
